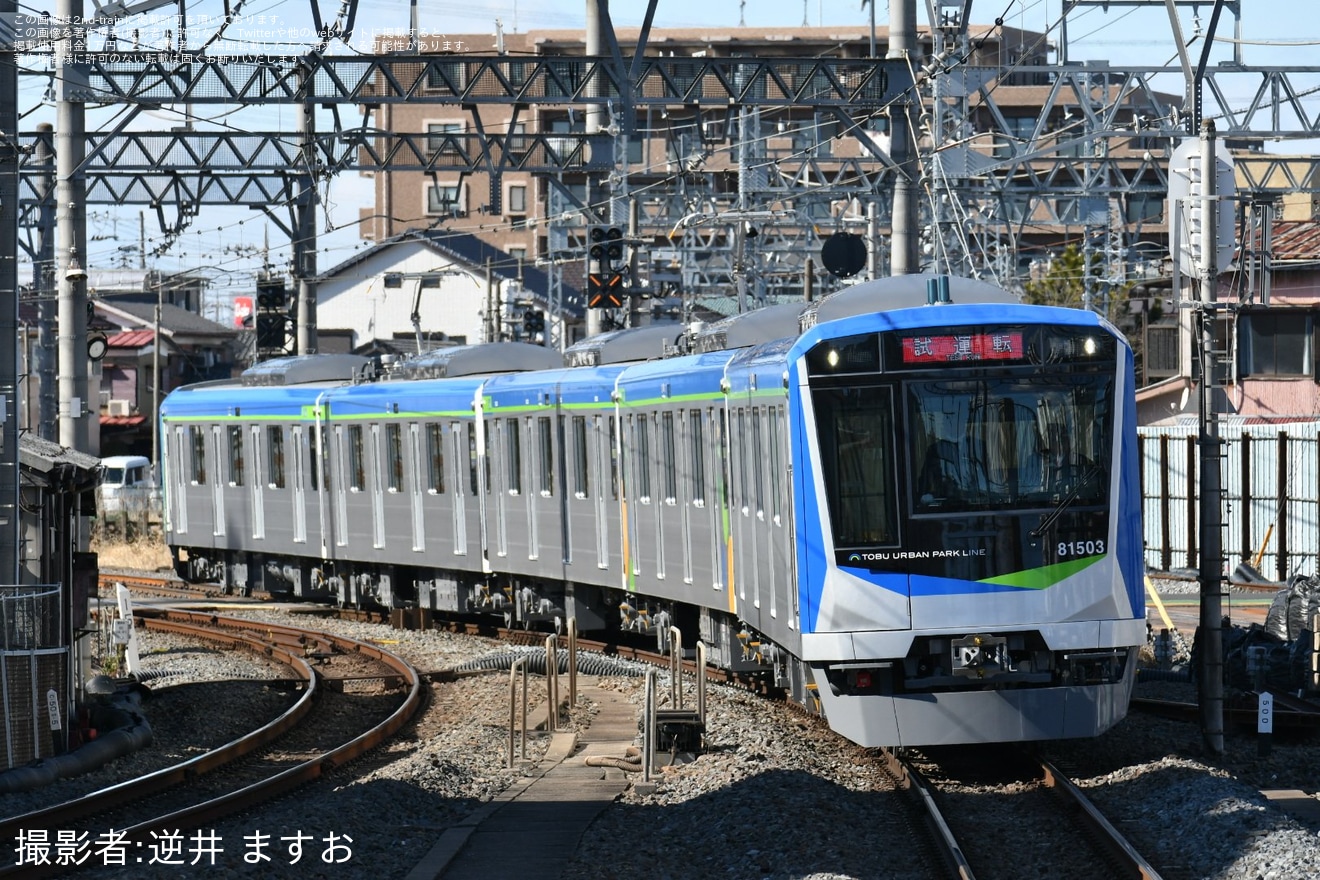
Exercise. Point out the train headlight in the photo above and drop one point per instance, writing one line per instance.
(1089, 345)
(833, 357)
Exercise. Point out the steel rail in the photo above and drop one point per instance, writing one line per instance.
(1125, 856)
(160, 780)
(942, 837)
(275, 785)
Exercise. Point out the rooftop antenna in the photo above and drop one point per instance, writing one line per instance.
(742, 4)
(805, 23)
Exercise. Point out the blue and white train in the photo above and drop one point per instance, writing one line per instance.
(919, 519)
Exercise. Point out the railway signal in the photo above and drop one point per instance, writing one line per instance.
(273, 319)
(605, 271)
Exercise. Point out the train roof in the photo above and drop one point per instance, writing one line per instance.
(628, 345)
(452, 396)
(575, 385)
(213, 400)
(750, 328)
(473, 360)
(899, 292)
(696, 374)
(304, 369)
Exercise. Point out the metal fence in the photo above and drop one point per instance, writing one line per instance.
(1271, 504)
(34, 673)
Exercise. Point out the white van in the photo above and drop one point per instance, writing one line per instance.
(125, 484)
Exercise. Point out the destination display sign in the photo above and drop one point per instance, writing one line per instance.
(962, 347)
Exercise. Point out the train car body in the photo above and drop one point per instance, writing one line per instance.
(920, 519)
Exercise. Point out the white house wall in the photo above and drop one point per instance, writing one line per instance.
(359, 300)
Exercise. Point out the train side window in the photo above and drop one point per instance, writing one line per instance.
(357, 473)
(580, 487)
(670, 470)
(643, 459)
(722, 447)
(435, 450)
(197, 442)
(515, 456)
(614, 458)
(394, 447)
(275, 455)
(545, 442)
(235, 455)
(698, 460)
(314, 460)
(472, 458)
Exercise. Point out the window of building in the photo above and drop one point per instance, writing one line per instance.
(436, 143)
(1277, 343)
(1143, 206)
(517, 201)
(446, 77)
(444, 198)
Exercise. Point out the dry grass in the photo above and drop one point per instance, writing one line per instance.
(146, 553)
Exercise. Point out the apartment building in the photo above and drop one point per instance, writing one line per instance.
(1014, 146)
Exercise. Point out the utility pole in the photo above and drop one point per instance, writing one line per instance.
(43, 280)
(304, 243)
(9, 512)
(71, 220)
(903, 46)
(1211, 574)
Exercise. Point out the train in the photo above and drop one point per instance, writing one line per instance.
(913, 506)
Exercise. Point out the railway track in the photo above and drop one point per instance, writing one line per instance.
(351, 697)
(977, 800)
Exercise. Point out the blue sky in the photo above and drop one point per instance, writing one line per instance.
(1274, 32)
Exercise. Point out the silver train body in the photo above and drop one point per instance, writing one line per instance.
(919, 519)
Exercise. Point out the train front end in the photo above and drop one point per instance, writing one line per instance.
(969, 536)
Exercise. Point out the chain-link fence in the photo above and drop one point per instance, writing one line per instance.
(34, 673)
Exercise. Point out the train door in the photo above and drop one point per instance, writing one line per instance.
(218, 483)
(460, 455)
(599, 455)
(756, 508)
(505, 450)
(341, 487)
(300, 451)
(258, 485)
(689, 426)
(416, 486)
(535, 489)
(377, 465)
(180, 472)
(717, 417)
(565, 499)
(668, 486)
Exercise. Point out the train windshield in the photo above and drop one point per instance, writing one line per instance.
(856, 428)
(990, 444)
